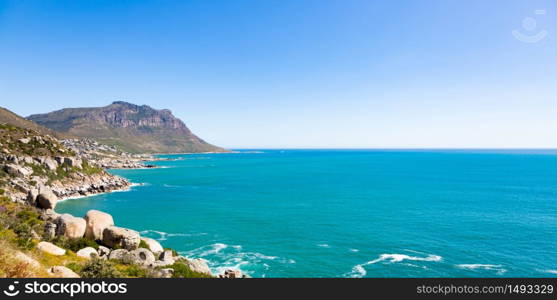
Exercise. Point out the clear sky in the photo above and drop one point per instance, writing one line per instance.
(297, 73)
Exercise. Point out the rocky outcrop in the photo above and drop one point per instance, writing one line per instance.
(103, 252)
(50, 164)
(142, 257)
(50, 249)
(32, 195)
(199, 265)
(97, 222)
(88, 252)
(26, 186)
(16, 170)
(154, 246)
(231, 273)
(166, 258)
(49, 230)
(165, 273)
(85, 185)
(107, 157)
(73, 162)
(121, 255)
(47, 199)
(117, 237)
(70, 226)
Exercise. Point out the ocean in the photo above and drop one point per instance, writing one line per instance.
(349, 213)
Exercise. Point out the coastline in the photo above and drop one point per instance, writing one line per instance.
(124, 189)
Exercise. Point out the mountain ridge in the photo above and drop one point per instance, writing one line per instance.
(131, 127)
(9, 117)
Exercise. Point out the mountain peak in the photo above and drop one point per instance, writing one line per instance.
(133, 128)
(124, 103)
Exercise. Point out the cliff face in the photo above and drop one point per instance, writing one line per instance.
(134, 128)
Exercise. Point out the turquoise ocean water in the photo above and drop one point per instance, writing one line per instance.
(349, 213)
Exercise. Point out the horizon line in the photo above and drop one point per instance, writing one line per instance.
(389, 148)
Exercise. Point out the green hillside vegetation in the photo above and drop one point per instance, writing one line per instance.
(8, 117)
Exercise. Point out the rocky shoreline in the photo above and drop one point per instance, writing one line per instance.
(39, 171)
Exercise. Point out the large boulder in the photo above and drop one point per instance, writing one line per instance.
(231, 273)
(62, 272)
(164, 273)
(46, 199)
(49, 230)
(199, 265)
(118, 237)
(50, 248)
(50, 164)
(121, 255)
(73, 162)
(87, 252)
(103, 252)
(154, 246)
(142, 256)
(166, 258)
(97, 222)
(16, 170)
(49, 215)
(70, 226)
(32, 195)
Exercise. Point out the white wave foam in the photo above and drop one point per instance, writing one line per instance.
(323, 245)
(222, 256)
(162, 236)
(497, 268)
(171, 186)
(215, 248)
(359, 270)
(354, 250)
(550, 271)
(394, 258)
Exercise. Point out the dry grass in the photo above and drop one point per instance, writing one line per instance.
(14, 267)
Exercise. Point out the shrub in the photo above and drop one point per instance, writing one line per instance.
(143, 244)
(24, 236)
(29, 217)
(133, 271)
(98, 268)
(74, 267)
(74, 244)
(2, 191)
(89, 169)
(181, 270)
(22, 221)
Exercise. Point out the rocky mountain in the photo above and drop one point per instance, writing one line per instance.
(8, 117)
(133, 128)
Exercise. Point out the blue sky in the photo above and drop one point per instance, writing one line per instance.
(296, 73)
